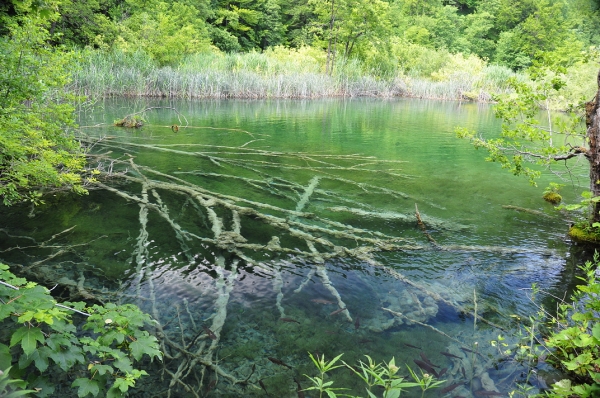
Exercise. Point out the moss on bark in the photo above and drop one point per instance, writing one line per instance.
(581, 235)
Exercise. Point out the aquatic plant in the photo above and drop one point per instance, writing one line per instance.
(130, 122)
(425, 382)
(583, 230)
(551, 193)
(571, 341)
(319, 381)
(383, 375)
(373, 374)
(584, 233)
(276, 73)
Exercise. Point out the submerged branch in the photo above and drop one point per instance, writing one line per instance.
(232, 231)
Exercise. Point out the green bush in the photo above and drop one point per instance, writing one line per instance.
(39, 341)
(570, 341)
(575, 340)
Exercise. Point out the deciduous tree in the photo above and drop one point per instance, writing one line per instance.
(37, 147)
(525, 140)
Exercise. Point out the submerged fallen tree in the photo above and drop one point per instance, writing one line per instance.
(310, 220)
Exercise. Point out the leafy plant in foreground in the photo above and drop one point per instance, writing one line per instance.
(372, 374)
(39, 340)
(11, 388)
(319, 381)
(572, 343)
(575, 340)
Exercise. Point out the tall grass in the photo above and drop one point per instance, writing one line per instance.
(280, 73)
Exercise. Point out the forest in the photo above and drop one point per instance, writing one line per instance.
(462, 49)
(379, 33)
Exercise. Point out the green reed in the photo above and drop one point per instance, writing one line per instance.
(275, 73)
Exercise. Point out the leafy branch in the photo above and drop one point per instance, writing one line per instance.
(43, 340)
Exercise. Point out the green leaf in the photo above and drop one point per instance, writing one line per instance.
(114, 392)
(562, 387)
(28, 338)
(144, 345)
(6, 310)
(40, 357)
(579, 317)
(26, 317)
(102, 369)
(67, 357)
(123, 364)
(573, 207)
(584, 340)
(393, 393)
(5, 358)
(122, 384)
(86, 387)
(596, 331)
(579, 361)
(58, 340)
(112, 335)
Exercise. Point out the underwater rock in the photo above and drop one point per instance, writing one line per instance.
(487, 383)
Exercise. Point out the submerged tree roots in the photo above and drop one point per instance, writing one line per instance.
(266, 221)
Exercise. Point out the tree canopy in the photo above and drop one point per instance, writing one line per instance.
(37, 148)
(169, 29)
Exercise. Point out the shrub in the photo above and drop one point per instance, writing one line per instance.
(575, 339)
(38, 338)
(571, 341)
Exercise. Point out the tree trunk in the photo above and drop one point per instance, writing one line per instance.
(592, 120)
(329, 62)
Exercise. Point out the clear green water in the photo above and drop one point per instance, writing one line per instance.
(404, 153)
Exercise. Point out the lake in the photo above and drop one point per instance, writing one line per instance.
(292, 227)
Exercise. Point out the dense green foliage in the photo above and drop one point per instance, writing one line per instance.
(37, 148)
(575, 340)
(331, 44)
(509, 33)
(221, 48)
(45, 348)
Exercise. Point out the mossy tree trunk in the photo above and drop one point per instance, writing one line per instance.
(593, 133)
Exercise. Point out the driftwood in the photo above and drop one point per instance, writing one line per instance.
(525, 210)
(423, 228)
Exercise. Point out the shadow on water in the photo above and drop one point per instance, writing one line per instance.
(289, 227)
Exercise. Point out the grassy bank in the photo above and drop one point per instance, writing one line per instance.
(415, 72)
(279, 73)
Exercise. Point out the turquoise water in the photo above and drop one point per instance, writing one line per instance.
(315, 207)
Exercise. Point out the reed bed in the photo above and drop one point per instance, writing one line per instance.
(279, 73)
